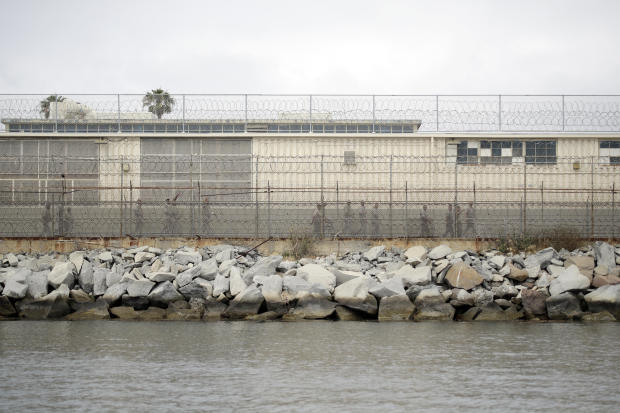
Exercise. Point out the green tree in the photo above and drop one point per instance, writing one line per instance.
(159, 102)
(45, 104)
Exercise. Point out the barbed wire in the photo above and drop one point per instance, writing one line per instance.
(560, 113)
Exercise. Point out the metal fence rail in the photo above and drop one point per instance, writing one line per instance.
(437, 113)
(326, 196)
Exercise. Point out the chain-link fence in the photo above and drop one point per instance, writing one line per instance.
(248, 196)
(173, 113)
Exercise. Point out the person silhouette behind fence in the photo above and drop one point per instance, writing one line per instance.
(348, 220)
(68, 227)
(169, 217)
(374, 220)
(469, 220)
(362, 218)
(425, 222)
(207, 215)
(316, 221)
(46, 220)
(138, 218)
(459, 222)
(449, 223)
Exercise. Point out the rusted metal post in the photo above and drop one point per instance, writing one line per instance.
(268, 210)
(121, 198)
(322, 202)
(391, 179)
(592, 197)
(256, 198)
(524, 225)
(407, 229)
(131, 221)
(613, 211)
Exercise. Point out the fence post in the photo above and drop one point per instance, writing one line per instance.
(437, 112)
(373, 113)
(256, 197)
(406, 214)
(542, 204)
(474, 214)
(337, 224)
(56, 114)
(118, 107)
(563, 115)
(130, 230)
(391, 178)
(268, 210)
(183, 123)
(121, 198)
(613, 211)
(591, 197)
(524, 224)
(322, 202)
(192, 215)
(245, 111)
(499, 112)
(310, 113)
(456, 200)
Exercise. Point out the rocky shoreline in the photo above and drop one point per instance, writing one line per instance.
(225, 282)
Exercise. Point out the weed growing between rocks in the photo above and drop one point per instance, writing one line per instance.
(301, 243)
(567, 238)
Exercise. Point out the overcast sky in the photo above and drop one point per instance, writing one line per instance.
(301, 46)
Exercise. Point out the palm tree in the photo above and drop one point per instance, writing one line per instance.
(158, 102)
(45, 104)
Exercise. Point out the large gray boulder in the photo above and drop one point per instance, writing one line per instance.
(430, 305)
(37, 284)
(143, 256)
(564, 306)
(16, 285)
(605, 298)
(237, 284)
(248, 302)
(439, 251)
(605, 254)
(105, 256)
(354, 294)
(264, 266)
(208, 269)
(342, 276)
(461, 275)
(315, 274)
(571, 279)
(77, 258)
(53, 305)
(85, 277)
(139, 288)
(221, 285)
(99, 281)
(416, 253)
(198, 288)
(114, 293)
(295, 288)
(272, 292)
(534, 302)
(393, 286)
(160, 276)
(395, 308)
(185, 257)
(414, 276)
(541, 259)
(163, 294)
(373, 253)
(62, 273)
(311, 307)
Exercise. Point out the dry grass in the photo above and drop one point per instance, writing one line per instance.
(301, 243)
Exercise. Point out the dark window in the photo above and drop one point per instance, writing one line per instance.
(540, 152)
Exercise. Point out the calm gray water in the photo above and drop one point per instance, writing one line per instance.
(309, 366)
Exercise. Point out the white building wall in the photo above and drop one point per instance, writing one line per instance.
(119, 166)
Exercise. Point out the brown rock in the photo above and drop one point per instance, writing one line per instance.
(395, 308)
(183, 314)
(266, 316)
(152, 313)
(95, 313)
(583, 262)
(602, 316)
(124, 313)
(469, 315)
(517, 274)
(601, 280)
(346, 314)
(533, 302)
(463, 276)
